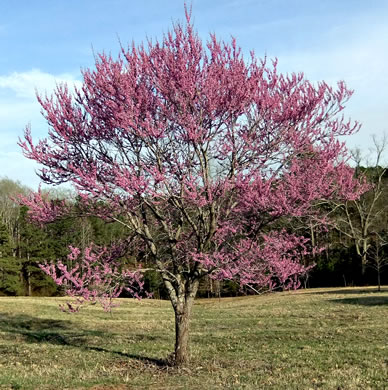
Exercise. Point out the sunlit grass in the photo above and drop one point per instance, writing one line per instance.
(308, 339)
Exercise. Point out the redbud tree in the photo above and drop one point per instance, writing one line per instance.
(201, 153)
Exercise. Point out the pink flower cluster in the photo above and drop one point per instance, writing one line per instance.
(94, 276)
(270, 264)
(199, 152)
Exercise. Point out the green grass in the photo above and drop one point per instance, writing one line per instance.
(308, 339)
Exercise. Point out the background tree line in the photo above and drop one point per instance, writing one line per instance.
(352, 248)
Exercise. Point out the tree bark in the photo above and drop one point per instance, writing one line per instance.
(29, 283)
(182, 303)
(182, 322)
(363, 264)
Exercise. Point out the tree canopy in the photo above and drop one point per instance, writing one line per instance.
(199, 153)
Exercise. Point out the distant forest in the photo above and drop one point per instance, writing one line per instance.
(351, 247)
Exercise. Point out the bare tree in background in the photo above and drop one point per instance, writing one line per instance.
(378, 259)
(363, 221)
(9, 209)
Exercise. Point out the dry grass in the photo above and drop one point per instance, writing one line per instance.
(308, 339)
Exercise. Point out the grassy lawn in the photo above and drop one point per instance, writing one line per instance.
(307, 339)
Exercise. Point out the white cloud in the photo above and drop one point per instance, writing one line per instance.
(19, 107)
(16, 167)
(25, 84)
(18, 103)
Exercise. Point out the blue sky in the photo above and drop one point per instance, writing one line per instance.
(43, 42)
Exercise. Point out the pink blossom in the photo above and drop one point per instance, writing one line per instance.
(200, 153)
(93, 276)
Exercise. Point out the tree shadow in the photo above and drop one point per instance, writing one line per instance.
(162, 363)
(62, 332)
(363, 301)
(350, 291)
(36, 330)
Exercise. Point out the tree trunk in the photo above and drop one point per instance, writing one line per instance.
(182, 302)
(29, 283)
(182, 322)
(363, 264)
(29, 276)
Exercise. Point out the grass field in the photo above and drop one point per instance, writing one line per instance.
(307, 339)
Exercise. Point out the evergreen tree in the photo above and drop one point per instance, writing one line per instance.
(10, 283)
(34, 247)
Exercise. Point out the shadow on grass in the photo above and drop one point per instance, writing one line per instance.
(36, 330)
(152, 361)
(363, 301)
(62, 332)
(350, 291)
